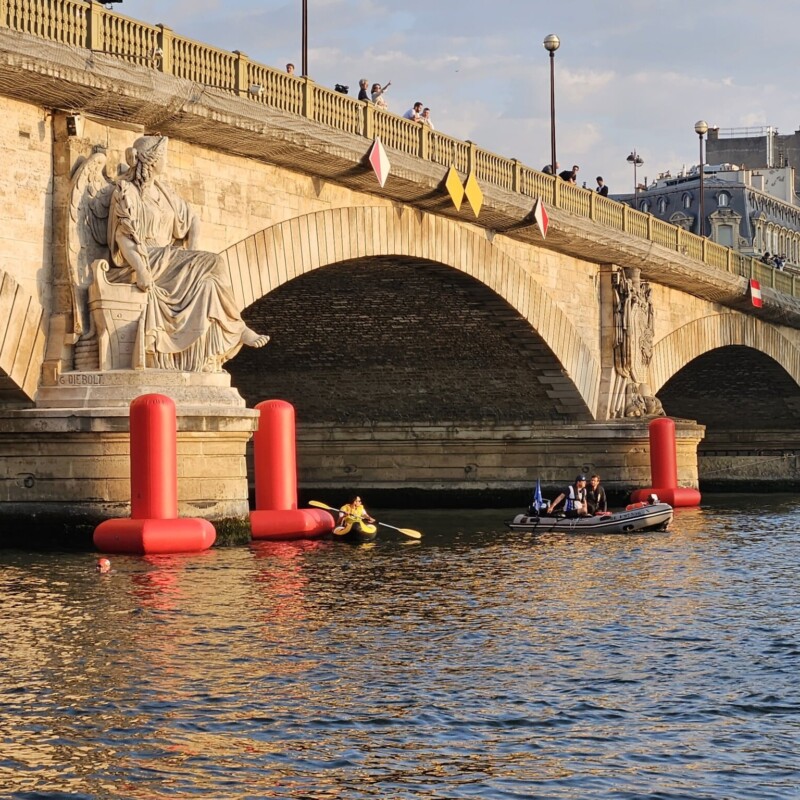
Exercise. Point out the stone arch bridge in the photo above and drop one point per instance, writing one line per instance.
(425, 348)
(539, 352)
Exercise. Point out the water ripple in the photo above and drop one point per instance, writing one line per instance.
(476, 664)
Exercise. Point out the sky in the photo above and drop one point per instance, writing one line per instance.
(629, 74)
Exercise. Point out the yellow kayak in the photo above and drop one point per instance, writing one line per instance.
(355, 530)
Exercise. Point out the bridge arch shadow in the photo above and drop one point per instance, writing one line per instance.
(672, 353)
(732, 373)
(394, 256)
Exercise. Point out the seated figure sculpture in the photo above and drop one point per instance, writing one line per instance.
(190, 321)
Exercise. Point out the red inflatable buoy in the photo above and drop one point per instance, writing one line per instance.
(153, 526)
(664, 468)
(276, 515)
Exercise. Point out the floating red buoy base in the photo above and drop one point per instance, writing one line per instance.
(154, 536)
(298, 523)
(677, 497)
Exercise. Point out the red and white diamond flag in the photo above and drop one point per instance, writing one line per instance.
(540, 215)
(379, 161)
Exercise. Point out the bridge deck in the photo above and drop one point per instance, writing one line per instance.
(96, 61)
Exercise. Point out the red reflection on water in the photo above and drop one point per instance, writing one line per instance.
(281, 573)
(287, 549)
(159, 588)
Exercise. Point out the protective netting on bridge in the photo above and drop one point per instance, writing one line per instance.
(81, 81)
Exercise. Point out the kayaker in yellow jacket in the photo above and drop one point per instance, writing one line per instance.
(355, 508)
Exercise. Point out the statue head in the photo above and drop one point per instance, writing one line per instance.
(147, 156)
(150, 148)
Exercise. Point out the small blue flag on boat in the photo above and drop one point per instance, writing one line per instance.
(538, 502)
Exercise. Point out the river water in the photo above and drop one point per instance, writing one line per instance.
(475, 663)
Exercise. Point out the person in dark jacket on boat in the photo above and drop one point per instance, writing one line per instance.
(596, 496)
(575, 496)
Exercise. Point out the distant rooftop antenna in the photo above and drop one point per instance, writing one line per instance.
(770, 137)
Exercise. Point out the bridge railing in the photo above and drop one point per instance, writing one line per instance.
(445, 150)
(88, 24)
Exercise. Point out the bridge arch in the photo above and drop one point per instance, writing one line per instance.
(286, 250)
(674, 352)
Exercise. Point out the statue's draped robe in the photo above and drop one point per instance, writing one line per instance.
(191, 322)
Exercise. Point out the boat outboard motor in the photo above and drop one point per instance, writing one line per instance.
(538, 509)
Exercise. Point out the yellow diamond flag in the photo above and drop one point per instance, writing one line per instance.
(454, 188)
(474, 193)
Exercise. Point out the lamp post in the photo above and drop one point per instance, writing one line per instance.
(551, 44)
(305, 39)
(637, 161)
(701, 128)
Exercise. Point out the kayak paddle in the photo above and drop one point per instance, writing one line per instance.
(410, 532)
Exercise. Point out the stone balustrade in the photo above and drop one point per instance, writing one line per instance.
(88, 24)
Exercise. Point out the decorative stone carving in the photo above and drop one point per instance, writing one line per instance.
(143, 295)
(118, 313)
(633, 346)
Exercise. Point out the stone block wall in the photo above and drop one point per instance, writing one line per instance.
(26, 185)
(390, 339)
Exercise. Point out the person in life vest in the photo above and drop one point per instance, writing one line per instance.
(355, 508)
(575, 496)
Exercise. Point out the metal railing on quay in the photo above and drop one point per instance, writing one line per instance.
(88, 24)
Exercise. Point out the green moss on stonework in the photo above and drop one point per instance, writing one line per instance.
(232, 531)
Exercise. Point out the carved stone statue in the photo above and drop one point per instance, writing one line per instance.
(652, 405)
(633, 346)
(137, 234)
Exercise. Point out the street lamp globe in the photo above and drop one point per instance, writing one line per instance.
(701, 127)
(636, 160)
(551, 43)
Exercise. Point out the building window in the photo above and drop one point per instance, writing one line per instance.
(644, 206)
(723, 200)
(662, 206)
(687, 200)
(725, 234)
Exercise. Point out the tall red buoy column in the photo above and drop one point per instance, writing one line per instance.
(154, 526)
(274, 456)
(664, 468)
